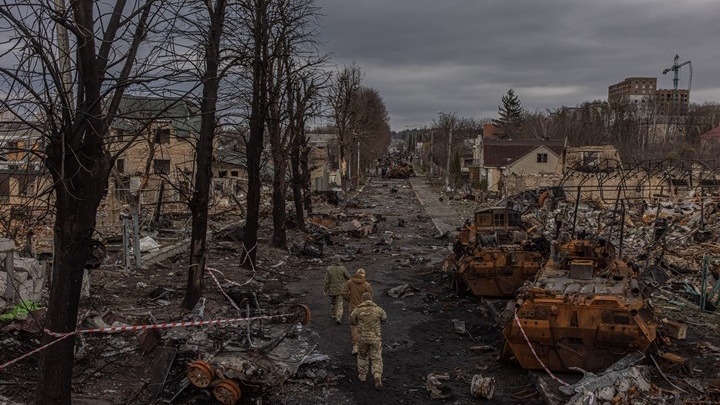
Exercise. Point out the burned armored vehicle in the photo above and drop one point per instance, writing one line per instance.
(493, 256)
(583, 310)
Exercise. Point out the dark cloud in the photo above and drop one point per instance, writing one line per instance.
(462, 55)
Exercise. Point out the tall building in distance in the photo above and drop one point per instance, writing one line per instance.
(643, 92)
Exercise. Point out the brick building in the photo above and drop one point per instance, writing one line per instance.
(154, 139)
(643, 92)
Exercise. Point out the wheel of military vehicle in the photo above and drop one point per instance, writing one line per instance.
(227, 392)
(200, 374)
(459, 286)
(301, 313)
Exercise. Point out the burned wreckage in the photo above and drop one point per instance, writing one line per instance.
(493, 256)
(581, 308)
(269, 360)
(584, 310)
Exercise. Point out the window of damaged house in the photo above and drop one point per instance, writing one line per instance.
(27, 187)
(120, 165)
(162, 136)
(119, 134)
(161, 166)
(499, 219)
(542, 157)
(483, 219)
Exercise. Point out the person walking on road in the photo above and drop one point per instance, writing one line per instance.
(335, 278)
(353, 291)
(367, 317)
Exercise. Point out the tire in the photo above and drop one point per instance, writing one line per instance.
(459, 286)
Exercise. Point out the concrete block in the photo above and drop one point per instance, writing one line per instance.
(606, 393)
(6, 244)
(38, 285)
(166, 252)
(33, 267)
(26, 291)
(21, 276)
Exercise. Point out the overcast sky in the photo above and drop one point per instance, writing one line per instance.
(463, 55)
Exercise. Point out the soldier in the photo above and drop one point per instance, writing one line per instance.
(367, 316)
(335, 277)
(353, 291)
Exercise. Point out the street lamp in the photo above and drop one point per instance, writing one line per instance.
(449, 147)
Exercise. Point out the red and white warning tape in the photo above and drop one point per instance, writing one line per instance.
(135, 328)
(166, 325)
(39, 349)
(532, 349)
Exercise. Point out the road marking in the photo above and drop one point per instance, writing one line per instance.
(425, 205)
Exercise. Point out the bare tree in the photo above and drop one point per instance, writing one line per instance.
(343, 96)
(257, 15)
(199, 29)
(70, 92)
(294, 44)
(307, 89)
(372, 129)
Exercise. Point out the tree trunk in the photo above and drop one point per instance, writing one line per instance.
(297, 180)
(255, 143)
(74, 225)
(279, 239)
(254, 148)
(204, 157)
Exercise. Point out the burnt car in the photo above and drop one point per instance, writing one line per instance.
(493, 256)
(584, 310)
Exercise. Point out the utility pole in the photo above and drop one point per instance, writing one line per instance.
(432, 144)
(447, 163)
(358, 165)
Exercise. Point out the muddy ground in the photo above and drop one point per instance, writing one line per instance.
(419, 336)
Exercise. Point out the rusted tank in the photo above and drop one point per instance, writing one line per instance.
(584, 310)
(493, 256)
(402, 171)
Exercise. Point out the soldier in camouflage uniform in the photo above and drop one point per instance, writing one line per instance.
(335, 278)
(353, 292)
(367, 316)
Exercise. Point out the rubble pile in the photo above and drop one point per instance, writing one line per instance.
(623, 382)
(21, 278)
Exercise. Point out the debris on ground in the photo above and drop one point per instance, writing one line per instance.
(402, 291)
(482, 387)
(435, 387)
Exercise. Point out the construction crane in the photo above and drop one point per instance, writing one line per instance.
(676, 69)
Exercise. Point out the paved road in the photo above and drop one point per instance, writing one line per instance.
(419, 336)
(447, 215)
